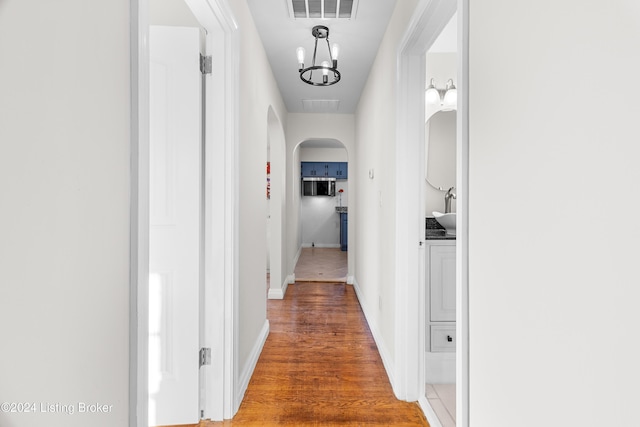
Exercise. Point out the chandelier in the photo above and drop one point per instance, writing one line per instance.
(327, 68)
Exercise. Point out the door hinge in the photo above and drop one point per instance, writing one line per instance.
(205, 356)
(206, 65)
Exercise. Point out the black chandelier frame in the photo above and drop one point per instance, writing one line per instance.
(306, 74)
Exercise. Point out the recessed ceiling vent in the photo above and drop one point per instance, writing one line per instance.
(323, 9)
(320, 105)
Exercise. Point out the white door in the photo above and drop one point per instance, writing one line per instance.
(175, 215)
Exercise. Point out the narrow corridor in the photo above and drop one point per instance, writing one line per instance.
(320, 366)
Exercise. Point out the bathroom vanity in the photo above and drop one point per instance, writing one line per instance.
(440, 287)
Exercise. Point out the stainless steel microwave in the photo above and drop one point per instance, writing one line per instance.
(318, 186)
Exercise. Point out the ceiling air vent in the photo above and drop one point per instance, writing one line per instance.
(320, 105)
(323, 9)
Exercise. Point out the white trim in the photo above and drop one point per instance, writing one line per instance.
(296, 258)
(252, 361)
(322, 245)
(279, 293)
(139, 215)
(231, 68)
(462, 238)
(428, 411)
(387, 360)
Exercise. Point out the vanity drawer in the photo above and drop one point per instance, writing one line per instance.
(443, 338)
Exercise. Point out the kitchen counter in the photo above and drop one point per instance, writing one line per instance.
(434, 231)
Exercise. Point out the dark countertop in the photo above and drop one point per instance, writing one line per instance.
(434, 231)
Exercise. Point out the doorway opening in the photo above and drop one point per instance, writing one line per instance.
(276, 201)
(323, 171)
(214, 395)
(439, 189)
(429, 20)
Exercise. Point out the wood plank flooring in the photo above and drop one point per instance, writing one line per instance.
(320, 367)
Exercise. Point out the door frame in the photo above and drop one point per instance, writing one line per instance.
(428, 20)
(221, 255)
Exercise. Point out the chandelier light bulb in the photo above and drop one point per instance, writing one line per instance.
(300, 53)
(335, 52)
(325, 71)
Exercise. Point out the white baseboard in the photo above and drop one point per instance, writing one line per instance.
(387, 361)
(275, 293)
(440, 368)
(280, 293)
(322, 245)
(429, 413)
(295, 259)
(350, 280)
(245, 375)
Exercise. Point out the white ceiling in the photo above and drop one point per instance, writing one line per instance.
(359, 39)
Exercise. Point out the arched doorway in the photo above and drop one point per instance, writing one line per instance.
(276, 203)
(322, 226)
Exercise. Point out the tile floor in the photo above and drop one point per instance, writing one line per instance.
(321, 265)
(442, 398)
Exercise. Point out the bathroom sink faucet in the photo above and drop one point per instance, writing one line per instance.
(447, 199)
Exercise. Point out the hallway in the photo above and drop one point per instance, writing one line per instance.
(320, 366)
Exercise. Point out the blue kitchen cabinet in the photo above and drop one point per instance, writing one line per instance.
(343, 231)
(338, 170)
(312, 168)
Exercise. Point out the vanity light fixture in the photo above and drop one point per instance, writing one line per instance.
(447, 98)
(328, 68)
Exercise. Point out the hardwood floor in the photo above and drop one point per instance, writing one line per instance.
(320, 367)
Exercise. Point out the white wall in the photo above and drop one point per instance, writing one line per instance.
(64, 209)
(553, 283)
(320, 222)
(258, 92)
(171, 13)
(302, 127)
(372, 207)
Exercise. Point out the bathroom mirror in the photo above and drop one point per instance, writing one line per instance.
(440, 162)
(440, 135)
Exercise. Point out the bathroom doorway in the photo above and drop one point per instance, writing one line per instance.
(429, 20)
(440, 187)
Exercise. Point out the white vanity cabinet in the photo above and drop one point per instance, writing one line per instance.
(442, 282)
(440, 291)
